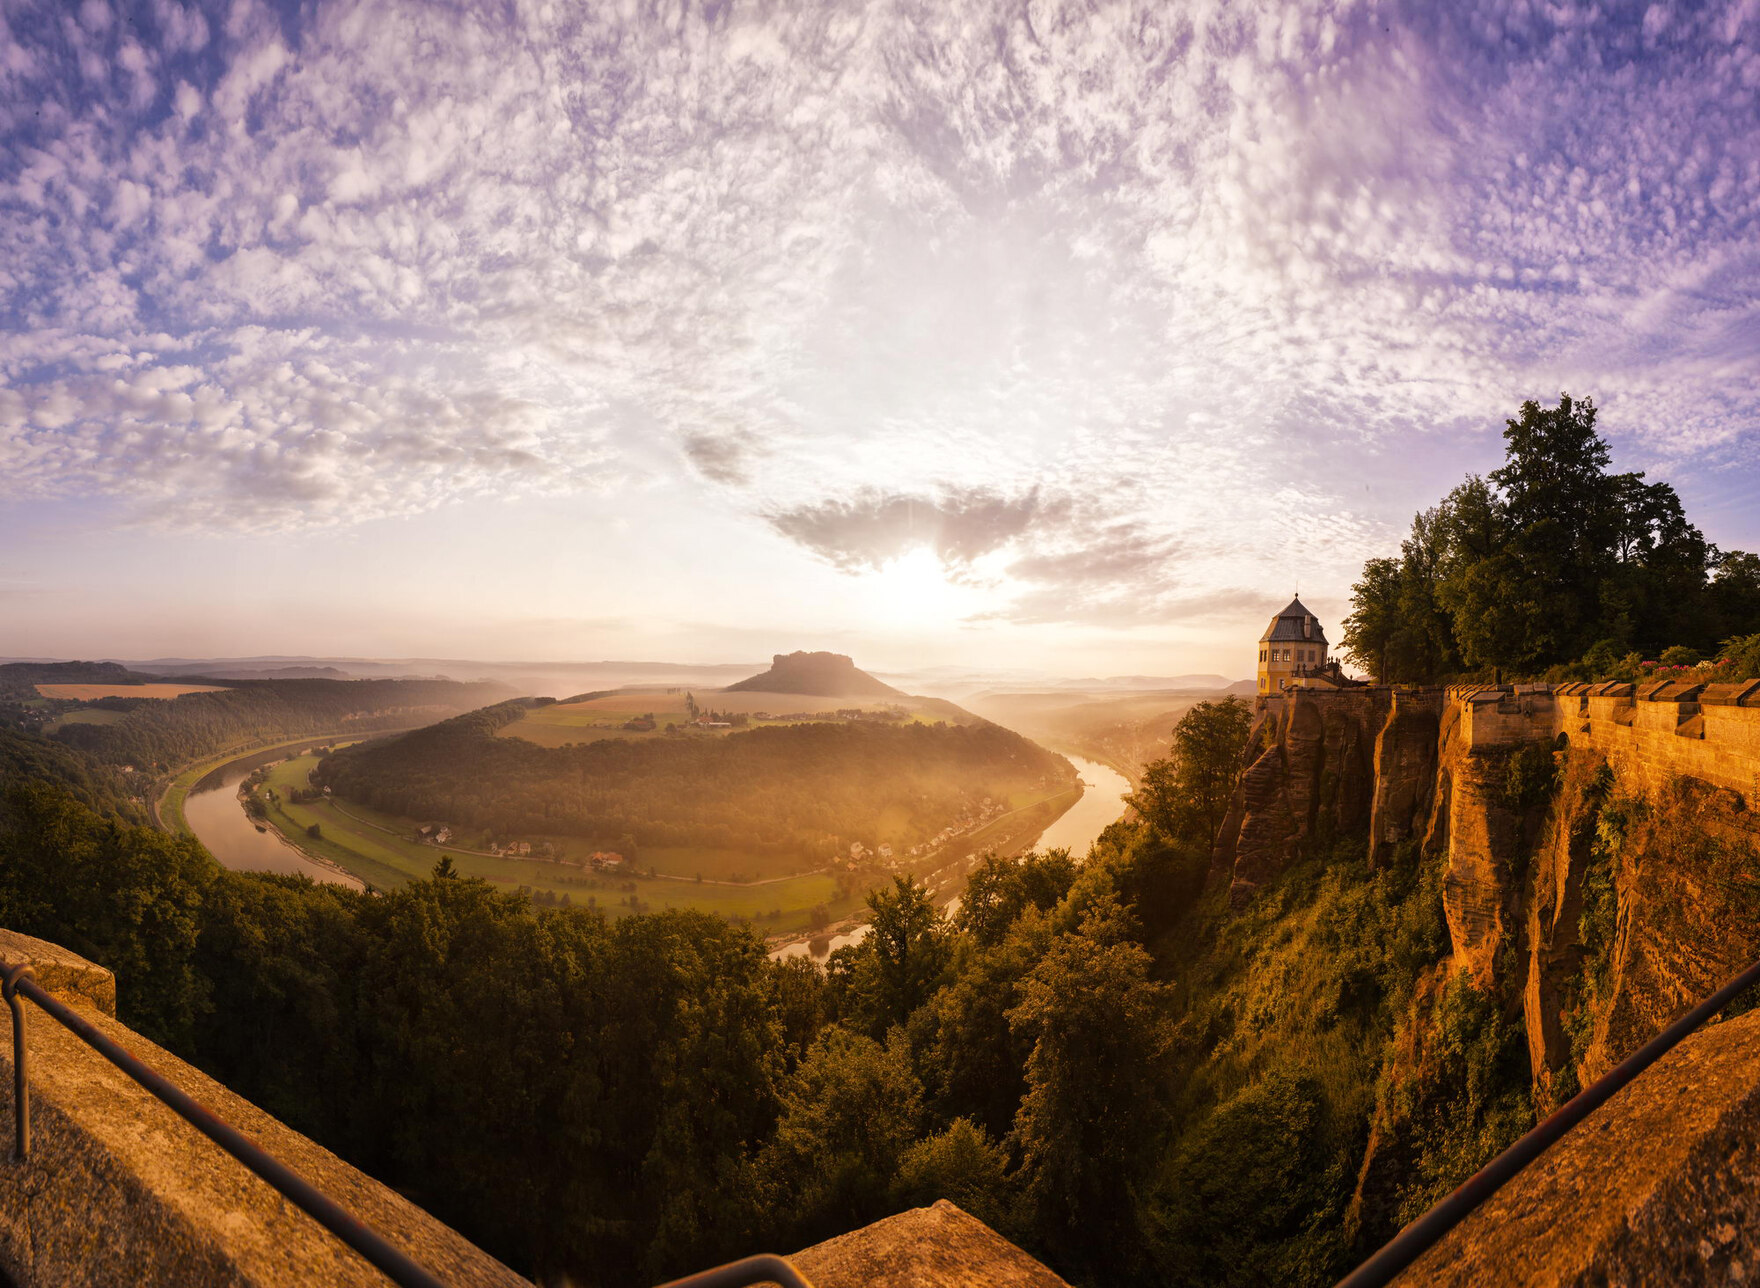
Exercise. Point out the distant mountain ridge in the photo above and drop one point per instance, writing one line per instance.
(819, 675)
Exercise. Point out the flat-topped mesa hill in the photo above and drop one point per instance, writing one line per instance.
(818, 675)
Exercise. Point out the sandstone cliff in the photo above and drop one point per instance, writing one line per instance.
(1598, 850)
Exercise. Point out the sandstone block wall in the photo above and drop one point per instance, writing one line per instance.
(120, 1190)
(1654, 733)
(1661, 1185)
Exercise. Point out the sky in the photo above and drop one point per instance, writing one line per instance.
(1062, 338)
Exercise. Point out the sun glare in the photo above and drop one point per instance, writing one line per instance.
(913, 589)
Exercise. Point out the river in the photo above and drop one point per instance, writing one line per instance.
(1076, 829)
(217, 817)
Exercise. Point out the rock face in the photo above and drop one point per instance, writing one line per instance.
(1479, 888)
(1405, 775)
(1685, 869)
(1310, 780)
(1555, 910)
(1597, 853)
(820, 675)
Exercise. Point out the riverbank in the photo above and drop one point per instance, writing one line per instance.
(324, 838)
(214, 813)
(1075, 828)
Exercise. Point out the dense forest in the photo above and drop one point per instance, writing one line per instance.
(159, 734)
(1553, 566)
(1101, 1059)
(791, 790)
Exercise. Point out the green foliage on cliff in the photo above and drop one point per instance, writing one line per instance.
(1551, 558)
(1469, 1100)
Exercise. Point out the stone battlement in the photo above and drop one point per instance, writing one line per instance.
(1657, 730)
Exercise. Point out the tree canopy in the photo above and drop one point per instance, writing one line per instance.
(1551, 557)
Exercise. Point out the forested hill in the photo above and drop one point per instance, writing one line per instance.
(26, 757)
(792, 789)
(157, 734)
(23, 677)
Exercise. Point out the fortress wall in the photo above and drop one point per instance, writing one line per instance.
(1497, 718)
(1427, 763)
(1660, 740)
(1711, 733)
(1669, 730)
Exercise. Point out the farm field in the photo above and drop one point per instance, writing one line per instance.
(604, 715)
(87, 692)
(376, 847)
(85, 715)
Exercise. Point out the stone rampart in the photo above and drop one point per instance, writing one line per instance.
(118, 1189)
(1653, 732)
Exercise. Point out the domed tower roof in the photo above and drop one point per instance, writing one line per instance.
(1294, 623)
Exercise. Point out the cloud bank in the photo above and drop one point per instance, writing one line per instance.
(1116, 293)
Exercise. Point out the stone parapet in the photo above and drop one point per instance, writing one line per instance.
(931, 1247)
(1658, 730)
(1661, 1185)
(118, 1189)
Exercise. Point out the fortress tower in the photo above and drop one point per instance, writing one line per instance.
(1293, 647)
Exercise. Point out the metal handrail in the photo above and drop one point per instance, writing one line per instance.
(1418, 1237)
(761, 1269)
(19, 981)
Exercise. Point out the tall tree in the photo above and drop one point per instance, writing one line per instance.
(910, 947)
(1093, 1119)
(1186, 795)
(1548, 557)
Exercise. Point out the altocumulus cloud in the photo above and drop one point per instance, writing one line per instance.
(276, 266)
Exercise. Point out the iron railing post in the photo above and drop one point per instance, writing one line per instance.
(21, 1089)
(764, 1268)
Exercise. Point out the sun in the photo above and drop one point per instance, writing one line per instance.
(913, 589)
